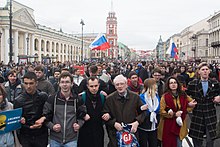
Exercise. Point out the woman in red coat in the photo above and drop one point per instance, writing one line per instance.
(174, 104)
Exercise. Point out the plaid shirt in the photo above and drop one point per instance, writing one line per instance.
(204, 114)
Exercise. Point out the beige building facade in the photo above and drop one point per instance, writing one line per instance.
(214, 38)
(35, 40)
(189, 40)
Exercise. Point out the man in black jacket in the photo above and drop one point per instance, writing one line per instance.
(92, 132)
(32, 133)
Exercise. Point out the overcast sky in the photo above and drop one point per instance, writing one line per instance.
(140, 22)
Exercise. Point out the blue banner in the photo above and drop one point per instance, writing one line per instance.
(10, 120)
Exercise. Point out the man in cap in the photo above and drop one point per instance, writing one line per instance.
(134, 83)
(206, 92)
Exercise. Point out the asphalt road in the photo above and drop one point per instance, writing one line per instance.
(185, 144)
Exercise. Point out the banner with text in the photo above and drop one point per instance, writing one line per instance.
(10, 120)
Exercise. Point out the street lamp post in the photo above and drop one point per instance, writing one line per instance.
(10, 33)
(82, 23)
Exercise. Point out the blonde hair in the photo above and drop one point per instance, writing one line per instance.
(149, 87)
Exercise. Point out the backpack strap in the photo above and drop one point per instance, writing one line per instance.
(101, 95)
(54, 105)
(84, 97)
(102, 98)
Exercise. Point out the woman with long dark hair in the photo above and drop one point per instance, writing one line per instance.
(174, 106)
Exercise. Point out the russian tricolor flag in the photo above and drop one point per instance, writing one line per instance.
(172, 50)
(100, 43)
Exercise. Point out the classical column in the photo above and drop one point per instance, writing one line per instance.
(6, 46)
(50, 49)
(67, 52)
(45, 47)
(32, 47)
(25, 43)
(54, 50)
(59, 48)
(39, 50)
(15, 46)
(1, 45)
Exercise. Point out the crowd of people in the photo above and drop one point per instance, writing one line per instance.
(63, 107)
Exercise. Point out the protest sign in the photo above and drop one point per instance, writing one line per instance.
(10, 120)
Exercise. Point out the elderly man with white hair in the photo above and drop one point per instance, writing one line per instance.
(124, 106)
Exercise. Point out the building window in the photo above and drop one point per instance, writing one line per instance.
(36, 45)
(206, 42)
(110, 31)
(111, 42)
(48, 46)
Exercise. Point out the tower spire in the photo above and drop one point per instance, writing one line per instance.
(112, 10)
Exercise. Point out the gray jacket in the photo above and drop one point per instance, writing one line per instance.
(57, 110)
(45, 86)
(12, 94)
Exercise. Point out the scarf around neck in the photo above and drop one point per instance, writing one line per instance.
(153, 104)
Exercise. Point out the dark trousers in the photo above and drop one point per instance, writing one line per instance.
(33, 141)
(199, 143)
(148, 138)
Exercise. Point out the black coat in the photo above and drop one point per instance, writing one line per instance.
(204, 113)
(126, 112)
(32, 110)
(92, 133)
(143, 73)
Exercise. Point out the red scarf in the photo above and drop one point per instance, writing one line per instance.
(171, 129)
(135, 89)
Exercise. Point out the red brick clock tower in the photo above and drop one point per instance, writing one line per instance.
(111, 34)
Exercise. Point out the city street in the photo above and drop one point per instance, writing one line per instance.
(185, 143)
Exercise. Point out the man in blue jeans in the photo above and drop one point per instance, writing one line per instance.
(63, 114)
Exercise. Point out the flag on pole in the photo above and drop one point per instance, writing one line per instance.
(100, 43)
(172, 50)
